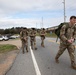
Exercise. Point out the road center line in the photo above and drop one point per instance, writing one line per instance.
(35, 63)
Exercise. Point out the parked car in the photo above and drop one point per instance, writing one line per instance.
(14, 36)
(3, 38)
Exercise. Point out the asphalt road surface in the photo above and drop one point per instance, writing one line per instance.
(42, 61)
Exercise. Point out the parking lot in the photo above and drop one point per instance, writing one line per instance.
(16, 42)
(7, 37)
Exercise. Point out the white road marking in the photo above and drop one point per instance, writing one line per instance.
(35, 63)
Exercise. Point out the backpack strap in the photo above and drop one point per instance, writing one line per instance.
(22, 33)
(67, 25)
(57, 39)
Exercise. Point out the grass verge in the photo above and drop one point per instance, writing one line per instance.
(49, 35)
(7, 47)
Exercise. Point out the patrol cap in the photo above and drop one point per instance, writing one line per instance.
(43, 28)
(24, 28)
(33, 28)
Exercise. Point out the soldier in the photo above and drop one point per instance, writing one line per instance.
(33, 38)
(24, 39)
(66, 41)
(42, 35)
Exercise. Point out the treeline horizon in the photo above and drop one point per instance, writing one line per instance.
(13, 30)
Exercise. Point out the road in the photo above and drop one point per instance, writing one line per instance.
(42, 61)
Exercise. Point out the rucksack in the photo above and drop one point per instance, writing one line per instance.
(57, 31)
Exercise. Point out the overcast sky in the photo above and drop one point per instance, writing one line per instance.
(30, 13)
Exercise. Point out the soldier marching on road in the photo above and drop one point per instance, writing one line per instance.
(42, 35)
(66, 41)
(24, 39)
(33, 38)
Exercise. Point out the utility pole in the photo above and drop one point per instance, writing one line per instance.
(64, 11)
(36, 24)
(42, 22)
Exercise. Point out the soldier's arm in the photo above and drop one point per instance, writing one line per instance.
(21, 35)
(62, 33)
(35, 33)
(45, 33)
(30, 33)
(40, 32)
(27, 33)
(75, 33)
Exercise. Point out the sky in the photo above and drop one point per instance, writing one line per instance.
(35, 13)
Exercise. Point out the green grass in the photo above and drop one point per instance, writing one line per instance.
(37, 34)
(7, 48)
(48, 35)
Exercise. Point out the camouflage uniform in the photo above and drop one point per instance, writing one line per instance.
(42, 34)
(64, 44)
(24, 39)
(33, 39)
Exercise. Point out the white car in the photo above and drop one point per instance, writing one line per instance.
(14, 36)
(4, 38)
(1, 38)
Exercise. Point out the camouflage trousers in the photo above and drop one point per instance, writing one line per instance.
(33, 42)
(24, 45)
(70, 48)
(42, 41)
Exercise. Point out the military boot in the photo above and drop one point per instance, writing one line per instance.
(26, 49)
(32, 47)
(73, 66)
(23, 51)
(41, 44)
(35, 48)
(56, 59)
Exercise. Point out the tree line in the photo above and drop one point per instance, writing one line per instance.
(13, 30)
(10, 30)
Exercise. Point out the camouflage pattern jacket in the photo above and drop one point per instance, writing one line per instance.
(42, 33)
(66, 35)
(23, 35)
(32, 33)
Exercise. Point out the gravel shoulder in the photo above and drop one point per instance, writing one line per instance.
(7, 59)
